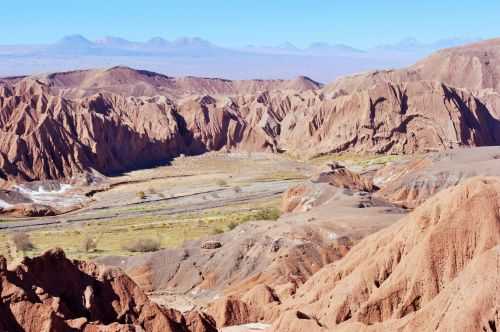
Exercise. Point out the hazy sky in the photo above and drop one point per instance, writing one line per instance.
(234, 23)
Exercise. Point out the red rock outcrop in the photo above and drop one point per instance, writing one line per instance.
(258, 304)
(391, 118)
(53, 293)
(340, 176)
(56, 126)
(435, 270)
(245, 274)
(130, 82)
(411, 182)
(49, 137)
(305, 196)
(474, 67)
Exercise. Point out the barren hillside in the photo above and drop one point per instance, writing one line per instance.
(63, 124)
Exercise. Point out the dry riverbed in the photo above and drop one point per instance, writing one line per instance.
(188, 199)
(192, 197)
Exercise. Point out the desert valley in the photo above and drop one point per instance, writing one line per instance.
(135, 201)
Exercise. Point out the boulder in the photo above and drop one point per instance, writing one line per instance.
(211, 244)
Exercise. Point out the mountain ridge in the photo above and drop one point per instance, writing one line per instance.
(322, 61)
(398, 112)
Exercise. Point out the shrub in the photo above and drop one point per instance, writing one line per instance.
(217, 230)
(268, 214)
(237, 189)
(221, 182)
(143, 245)
(22, 241)
(232, 225)
(89, 244)
(263, 214)
(141, 195)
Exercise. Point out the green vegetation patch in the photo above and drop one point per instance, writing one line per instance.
(138, 234)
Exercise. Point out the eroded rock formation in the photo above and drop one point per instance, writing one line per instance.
(436, 269)
(411, 182)
(114, 120)
(53, 293)
(244, 275)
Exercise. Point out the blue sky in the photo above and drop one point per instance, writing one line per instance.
(261, 22)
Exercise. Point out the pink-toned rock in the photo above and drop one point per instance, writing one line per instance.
(120, 119)
(436, 269)
(53, 293)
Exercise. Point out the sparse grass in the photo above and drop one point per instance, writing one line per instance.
(232, 225)
(22, 242)
(217, 230)
(271, 213)
(4, 245)
(140, 221)
(89, 244)
(281, 176)
(173, 230)
(221, 182)
(362, 160)
(143, 245)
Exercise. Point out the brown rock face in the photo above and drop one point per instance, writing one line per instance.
(323, 187)
(129, 82)
(115, 120)
(44, 136)
(412, 182)
(435, 270)
(262, 264)
(49, 137)
(258, 304)
(391, 118)
(53, 293)
(33, 210)
(253, 253)
(474, 67)
(339, 176)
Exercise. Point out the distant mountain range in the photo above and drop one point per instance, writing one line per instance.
(413, 45)
(199, 57)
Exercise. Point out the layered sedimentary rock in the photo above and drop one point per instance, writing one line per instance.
(411, 182)
(324, 186)
(401, 118)
(435, 270)
(55, 126)
(129, 82)
(244, 275)
(53, 293)
(50, 137)
(474, 67)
